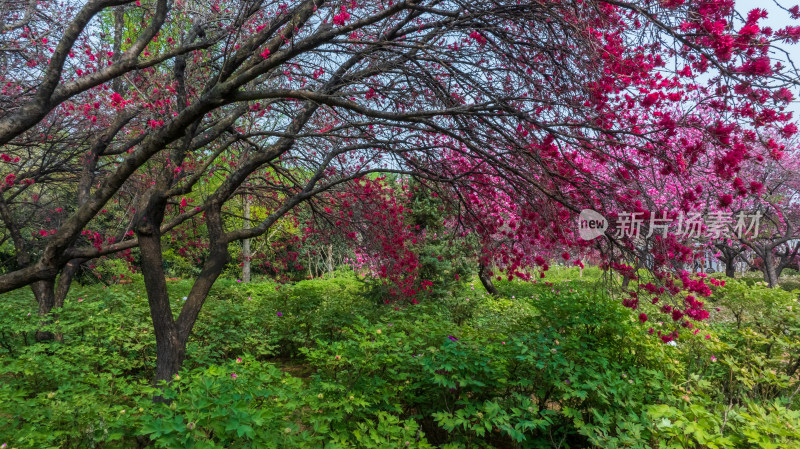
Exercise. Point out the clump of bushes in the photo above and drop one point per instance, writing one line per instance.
(318, 364)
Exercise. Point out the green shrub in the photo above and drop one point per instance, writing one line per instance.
(544, 364)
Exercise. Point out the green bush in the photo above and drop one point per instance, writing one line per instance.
(318, 364)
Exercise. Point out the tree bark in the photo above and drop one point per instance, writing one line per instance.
(170, 353)
(65, 280)
(168, 356)
(43, 289)
(170, 344)
(119, 24)
(769, 269)
(170, 350)
(330, 258)
(730, 269)
(728, 256)
(246, 254)
(486, 280)
(45, 297)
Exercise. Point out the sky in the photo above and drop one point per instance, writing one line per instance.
(777, 18)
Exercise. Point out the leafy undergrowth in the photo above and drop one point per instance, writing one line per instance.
(317, 364)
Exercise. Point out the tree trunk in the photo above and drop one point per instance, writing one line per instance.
(119, 24)
(786, 258)
(170, 352)
(169, 348)
(246, 255)
(729, 260)
(730, 269)
(330, 258)
(43, 291)
(769, 269)
(486, 280)
(173, 334)
(728, 256)
(65, 280)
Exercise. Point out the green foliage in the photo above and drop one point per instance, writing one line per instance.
(317, 364)
(72, 393)
(761, 345)
(701, 421)
(176, 265)
(445, 260)
(249, 404)
(742, 383)
(566, 382)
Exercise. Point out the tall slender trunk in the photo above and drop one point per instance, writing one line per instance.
(246, 254)
(330, 258)
(170, 350)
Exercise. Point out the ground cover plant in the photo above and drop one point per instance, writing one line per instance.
(318, 364)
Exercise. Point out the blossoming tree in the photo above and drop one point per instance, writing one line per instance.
(542, 108)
